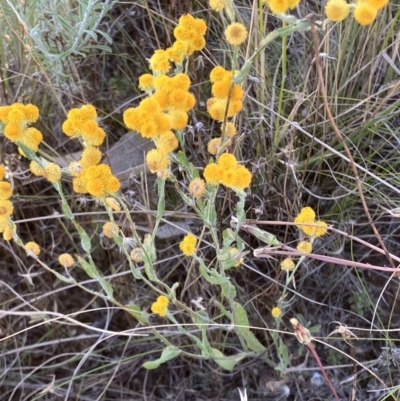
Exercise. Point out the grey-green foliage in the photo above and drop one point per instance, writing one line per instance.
(56, 29)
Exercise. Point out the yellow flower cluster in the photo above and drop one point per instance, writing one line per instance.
(15, 120)
(165, 109)
(281, 6)
(188, 245)
(82, 123)
(160, 307)
(169, 100)
(189, 35)
(365, 11)
(6, 207)
(228, 172)
(190, 31)
(96, 180)
(90, 176)
(223, 90)
(307, 215)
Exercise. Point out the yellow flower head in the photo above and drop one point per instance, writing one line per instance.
(306, 215)
(4, 223)
(200, 26)
(75, 168)
(180, 81)
(276, 312)
(167, 142)
(32, 248)
(278, 6)
(178, 51)
(188, 245)
(36, 168)
(93, 137)
(137, 255)
(13, 131)
(66, 260)
(217, 5)
(213, 174)
(52, 172)
(304, 246)
(316, 228)
(243, 178)
(227, 161)
(2, 172)
(214, 146)
(112, 185)
(364, 13)
(90, 157)
(88, 112)
(130, 118)
(219, 73)
(197, 187)
(229, 177)
(287, 264)
(7, 233)
(112, 203)
(159, 62)
(221, 88)
(31, 113)
(16, 115)
(230, 130)
(6, 208)
(337, 10)
(378, 4)
(178, 119)
(157, 160)
(4, 111)
(236, 33)
(5, 190)
(110, 229)
(146, 82)
(31, 138)
(160, 307)
(216, 108)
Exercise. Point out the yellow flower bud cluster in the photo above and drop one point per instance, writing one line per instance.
(169, 100)
(189, 31)
(16, 120)
(224, 92)
(165, 109)
(96, 180)
(90, 176)
(228, 172)
(307, 215)
(82, 123)
(281, 6)
(189, 35)
(160, 307)
(51, 171)
(364, 11)
(6, 207)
